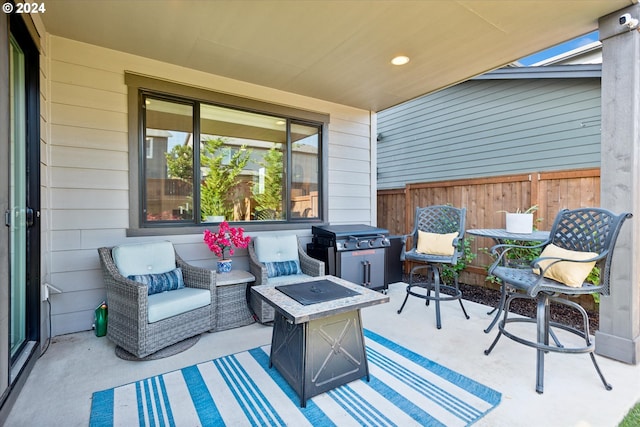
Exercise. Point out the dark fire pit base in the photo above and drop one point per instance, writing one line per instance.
(319, 355)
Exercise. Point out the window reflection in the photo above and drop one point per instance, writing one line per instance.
(241, 163)
(305, 173)
(168, 160)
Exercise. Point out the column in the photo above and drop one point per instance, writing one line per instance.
(619, 332)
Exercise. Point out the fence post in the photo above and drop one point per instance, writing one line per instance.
(534, 178)
(407, 215)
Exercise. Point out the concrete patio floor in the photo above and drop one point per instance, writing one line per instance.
(58, 391)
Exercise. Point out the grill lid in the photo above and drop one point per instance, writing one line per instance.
(346, 230)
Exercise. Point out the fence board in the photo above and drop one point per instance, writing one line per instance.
(484, 198)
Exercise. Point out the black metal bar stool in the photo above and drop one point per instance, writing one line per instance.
(436, 241)
(579, 240)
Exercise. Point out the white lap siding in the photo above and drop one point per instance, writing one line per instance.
(88, 172)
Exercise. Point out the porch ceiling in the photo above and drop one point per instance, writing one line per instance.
(338, 51)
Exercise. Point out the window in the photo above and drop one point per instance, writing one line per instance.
(149, 147)
(304, 170)
(168, 161)
(202, 162)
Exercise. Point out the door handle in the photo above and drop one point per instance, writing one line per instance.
(30, 217)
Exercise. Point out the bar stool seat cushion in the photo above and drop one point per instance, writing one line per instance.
(572, 274)
(436, 243)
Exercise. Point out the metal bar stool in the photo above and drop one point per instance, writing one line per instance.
(437, 238)
(579, 240)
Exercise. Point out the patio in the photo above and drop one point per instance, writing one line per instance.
(58, 391)
(85, 69)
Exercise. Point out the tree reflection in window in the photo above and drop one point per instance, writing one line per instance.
(246, 167)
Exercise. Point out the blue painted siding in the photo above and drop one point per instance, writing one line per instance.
(485, 128)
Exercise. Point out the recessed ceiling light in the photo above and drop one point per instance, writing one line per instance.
(400, 60)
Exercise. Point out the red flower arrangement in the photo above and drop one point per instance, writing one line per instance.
(226, 238)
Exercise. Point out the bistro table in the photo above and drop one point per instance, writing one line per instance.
(500, 236)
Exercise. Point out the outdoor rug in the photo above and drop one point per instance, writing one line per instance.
(405, 389)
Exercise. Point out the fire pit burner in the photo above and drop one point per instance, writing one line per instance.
(307, 293)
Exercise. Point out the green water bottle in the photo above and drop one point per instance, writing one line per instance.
(101, 320)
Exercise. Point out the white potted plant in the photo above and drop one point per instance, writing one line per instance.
(520, 222)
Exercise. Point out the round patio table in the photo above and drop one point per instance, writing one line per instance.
(500, 235)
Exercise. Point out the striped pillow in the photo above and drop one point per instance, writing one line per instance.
(282, 268)
(162, 282)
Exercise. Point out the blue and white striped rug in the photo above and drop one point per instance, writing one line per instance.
(237, 390)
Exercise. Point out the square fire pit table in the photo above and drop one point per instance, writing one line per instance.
(319, 346)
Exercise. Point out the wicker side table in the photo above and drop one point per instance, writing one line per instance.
(233, 310)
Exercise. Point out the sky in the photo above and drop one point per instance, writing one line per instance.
(561, 48)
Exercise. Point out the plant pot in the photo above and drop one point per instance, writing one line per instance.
(224, 266)
(521, 223)
(215, 218)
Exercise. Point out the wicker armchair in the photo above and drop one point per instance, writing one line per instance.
(128, 325)
(309, 266)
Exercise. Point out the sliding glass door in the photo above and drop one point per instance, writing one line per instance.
(17, 213)
(20, 303)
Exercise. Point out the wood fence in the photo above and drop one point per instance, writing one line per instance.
(486, 199)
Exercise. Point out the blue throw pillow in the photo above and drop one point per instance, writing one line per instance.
(282, 268)
(156, 283)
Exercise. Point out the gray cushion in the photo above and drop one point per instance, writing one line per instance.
(168, 304)
(144, 258)
(276, 248)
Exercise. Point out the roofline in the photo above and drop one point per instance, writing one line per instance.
(575, 53)
(546, 72)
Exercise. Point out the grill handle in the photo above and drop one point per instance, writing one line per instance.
(367, 273)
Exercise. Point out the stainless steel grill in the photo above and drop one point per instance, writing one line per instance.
(354, 252)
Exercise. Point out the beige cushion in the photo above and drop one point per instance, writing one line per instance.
(570, 273)
(436, 244)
